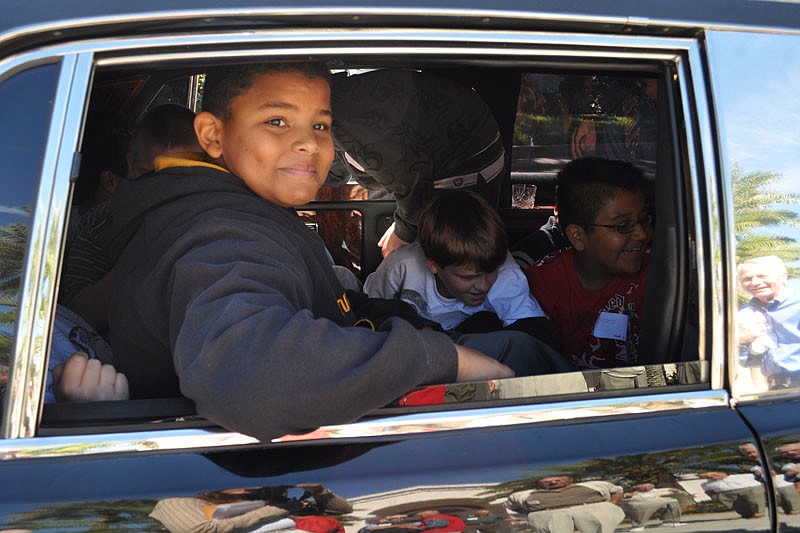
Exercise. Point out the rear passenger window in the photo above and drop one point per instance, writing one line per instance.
(25, 102)
(553, 116)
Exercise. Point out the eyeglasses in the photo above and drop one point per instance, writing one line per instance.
(630, 226)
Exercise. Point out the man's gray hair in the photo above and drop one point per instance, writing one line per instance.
(773, 262)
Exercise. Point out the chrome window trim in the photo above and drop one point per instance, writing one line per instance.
(721, 231)
(80, 57)
(402, 425)
(701, 165)
(426, 41)
(485, 17)
(43, 264)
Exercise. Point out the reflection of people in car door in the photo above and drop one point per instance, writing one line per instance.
(255, 509)
(787, 498)
(646, 501)
(410, 133)
(430, 521)
(742, 493)
(558, 505)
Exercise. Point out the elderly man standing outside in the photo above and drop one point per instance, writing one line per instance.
(560, 506)
(772, 328)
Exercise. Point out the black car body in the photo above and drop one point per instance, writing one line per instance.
(727, 75)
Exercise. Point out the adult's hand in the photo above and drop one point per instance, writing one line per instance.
(81, 379)
(474, 366)
(750, 324)
(390, 241)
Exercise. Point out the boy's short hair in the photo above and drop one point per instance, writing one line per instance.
(101, 150)
(461, 228)
(166, 124)
(223, 84)
(584, 186)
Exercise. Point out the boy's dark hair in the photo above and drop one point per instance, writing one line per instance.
(461, 228)
(223, 84)
(166, 124)
(101, 150)
(585, 185)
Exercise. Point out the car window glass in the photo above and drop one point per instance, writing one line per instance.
(25, 101)
(559, 116)
(755, 81)
(564, 116)
(177, 91)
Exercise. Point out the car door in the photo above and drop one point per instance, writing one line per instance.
(467, 462)
(760, 178)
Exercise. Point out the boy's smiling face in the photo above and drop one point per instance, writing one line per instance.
(602, 253)
(276, 138)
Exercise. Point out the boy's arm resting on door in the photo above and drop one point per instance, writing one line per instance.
(256, 361)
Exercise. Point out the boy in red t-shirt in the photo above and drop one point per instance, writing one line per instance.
(594, 292)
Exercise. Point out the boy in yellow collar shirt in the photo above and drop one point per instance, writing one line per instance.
(224, 296)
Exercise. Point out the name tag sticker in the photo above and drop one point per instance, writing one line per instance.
(611, 326)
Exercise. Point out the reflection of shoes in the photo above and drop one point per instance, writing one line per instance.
(754, 516)
(676, 524)
(640, 528)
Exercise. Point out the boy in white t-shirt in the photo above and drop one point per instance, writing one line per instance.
(460, 274)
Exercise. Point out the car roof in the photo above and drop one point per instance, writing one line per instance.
(31, 22)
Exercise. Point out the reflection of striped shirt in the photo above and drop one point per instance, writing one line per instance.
(86, 262)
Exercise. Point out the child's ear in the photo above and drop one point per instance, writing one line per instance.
(577, 236)
(208, 129)
(432, 266)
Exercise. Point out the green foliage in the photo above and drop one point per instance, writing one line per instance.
(532, 128)
(660, 469)
(124, 515)
(757, 208)
(13, 242)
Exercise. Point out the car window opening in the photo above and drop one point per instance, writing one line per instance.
(558, 117)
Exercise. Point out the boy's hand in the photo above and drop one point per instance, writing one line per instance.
(81, 379)
(390, 241)
(475, 366)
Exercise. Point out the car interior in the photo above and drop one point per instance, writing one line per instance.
(633, 110)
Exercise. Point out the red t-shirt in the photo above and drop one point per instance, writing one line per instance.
(588, 339)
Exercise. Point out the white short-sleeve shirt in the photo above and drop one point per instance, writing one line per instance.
(404, 274)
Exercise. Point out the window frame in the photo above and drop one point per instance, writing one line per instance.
(23, 411)
(46, 241)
